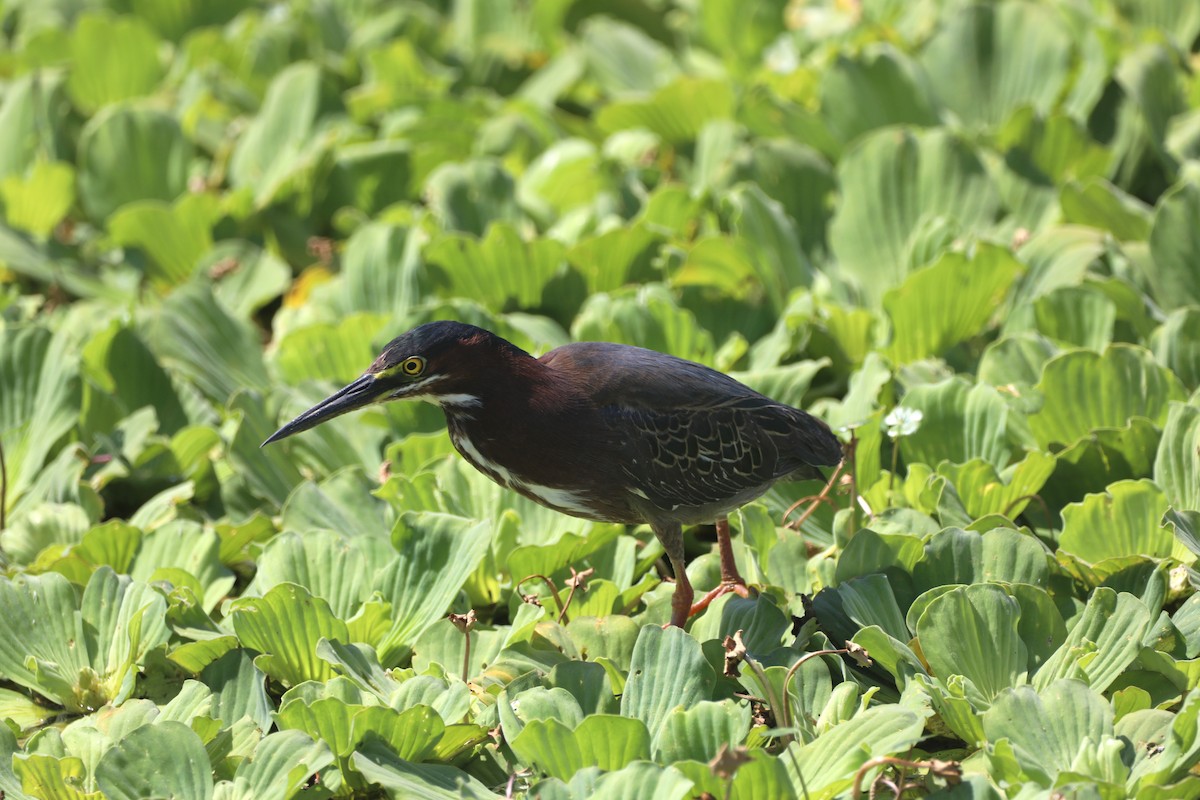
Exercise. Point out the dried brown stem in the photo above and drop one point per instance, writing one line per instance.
(576, 580)
(1041, 501)
(558, 603)
(816, 500)
(951, 771)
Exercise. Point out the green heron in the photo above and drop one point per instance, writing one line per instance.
(605, 432)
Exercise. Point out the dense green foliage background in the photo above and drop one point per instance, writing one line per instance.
(215, 211)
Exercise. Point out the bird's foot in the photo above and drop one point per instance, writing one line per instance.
(738, 587)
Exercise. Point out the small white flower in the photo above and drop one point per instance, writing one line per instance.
(902, 421)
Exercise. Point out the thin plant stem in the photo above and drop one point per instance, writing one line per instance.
(3, 490)
(821, 497)
(1041, 501)
(895, 460)
(761, 675)
(558, 603)
(467, 655)
(851, 456)
(949, 770)
(785, 712)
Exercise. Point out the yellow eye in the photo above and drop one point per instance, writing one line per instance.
(412, 366)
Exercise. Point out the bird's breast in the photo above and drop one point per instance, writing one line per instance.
(566, 500)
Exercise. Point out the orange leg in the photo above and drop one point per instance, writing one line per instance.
(731, 579)
(671, 536)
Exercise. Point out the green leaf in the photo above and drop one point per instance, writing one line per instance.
(547, 559)
(613, 638)
(641, 779)
(861, 602)
(115, 58)
(246, 276)
(566, 175)
(174, 236)
(1176, 343)
(763, 223)
(118, 362)
(1102, 643)
(1177, 463)
(1123, 521)
(380, 765)
(893, 183)
(172, 21)
(1174, 241)
(761, 621)
(955, 556)
(1076, 316)
(193, 335)
(502, 271)
(45, 526)
(825, 767)
(869, 552)
(79, 653)
(32, 114)
(436, 554)
(162, 760)
(616, 257)
(381, 272)
(285, 625)
(127, 154)
(369, 177)
(1008, 493)
(1049, 728)
(1187, 528)
(1084, 391)
(668, 670)
(699, 732)
(280, 767)
(951, 300)
(39, 404)
(326, 720)
(875, 88)
(1098, 203)
(740, 33)
(602, 740)
(677, 112)
(328, 352)
(327, 565)
(987, 61)
(413, 733)
(339, 503)
(37, 201)
(959, 423)
(1180, 749)
(471, 197)
(239, 690)
(270, 473)
(280, 136)
(972, 631)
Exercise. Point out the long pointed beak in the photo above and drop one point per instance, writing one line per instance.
(362, 392)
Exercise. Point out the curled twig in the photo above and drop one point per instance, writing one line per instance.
(1041, 501)
(576, 581)
(950, 771)
(852, 649)
(558, 603)
(816, 500)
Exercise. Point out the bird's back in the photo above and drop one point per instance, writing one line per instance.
(696, 441)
